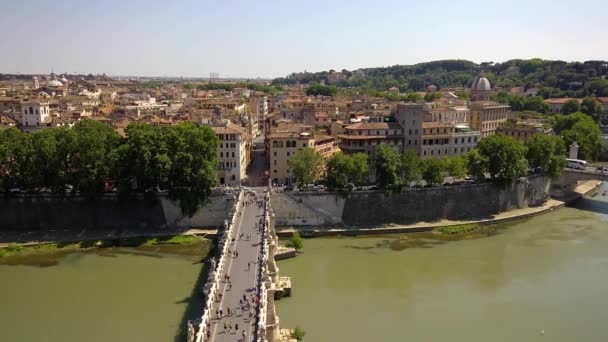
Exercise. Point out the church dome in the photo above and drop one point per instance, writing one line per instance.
(63, 80)
(54, 83)
(481, 83)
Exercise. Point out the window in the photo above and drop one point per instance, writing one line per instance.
(275, 144)
(275, 162)
(425, 152)
(275, 153)
(221, 145)
(221, 154)
(275, 171)
(416, 131)
(303, 144)
(288, 154)
(431, 152)
(409, 142)
(232, 154)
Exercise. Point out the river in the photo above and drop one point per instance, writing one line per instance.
(118, 296)
(542, 279)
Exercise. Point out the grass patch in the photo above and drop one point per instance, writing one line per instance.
(49, 254)
(458, 229)
(173, 240)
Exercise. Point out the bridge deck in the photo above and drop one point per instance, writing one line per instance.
(243, 278)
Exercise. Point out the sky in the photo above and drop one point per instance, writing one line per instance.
(261, 38)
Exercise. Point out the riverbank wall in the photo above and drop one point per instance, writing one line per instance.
(378, 208)
(47, 212)
(584, 188)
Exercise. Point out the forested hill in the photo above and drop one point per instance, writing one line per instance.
(555, 78)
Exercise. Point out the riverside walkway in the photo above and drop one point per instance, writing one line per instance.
(239, 293)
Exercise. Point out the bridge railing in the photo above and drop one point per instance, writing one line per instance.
(262, 309)
(215, 278)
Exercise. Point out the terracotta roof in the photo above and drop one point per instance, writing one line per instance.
(228, 129)
(436, 125)
(602, 100)
(368, 137)
(374, 125)
(561, 100)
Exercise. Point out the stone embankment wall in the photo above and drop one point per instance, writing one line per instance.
(109, 212)
(373, 208)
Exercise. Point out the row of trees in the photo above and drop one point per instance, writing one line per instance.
(86, 158)
(320, 89)
(501, 157)
(555, 78)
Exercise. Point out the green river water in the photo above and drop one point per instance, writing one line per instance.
(548, 273)
(94, 298)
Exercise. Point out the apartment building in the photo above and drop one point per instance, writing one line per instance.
(232, 154)
(441, 140)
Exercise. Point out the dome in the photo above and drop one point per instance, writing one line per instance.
(481, 83)
(54, 83)
(63, 79)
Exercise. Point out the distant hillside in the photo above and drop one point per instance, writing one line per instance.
(555, 78)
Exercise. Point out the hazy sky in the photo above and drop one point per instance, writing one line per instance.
(274, 38)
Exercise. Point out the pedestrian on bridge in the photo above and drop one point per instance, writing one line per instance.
(244, 336)
(236, 327)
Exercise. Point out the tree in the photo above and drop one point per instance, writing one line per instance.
(581, 128)
(591, 107)
(319, 89)
(432, 171)
(92, 156)
(360, 169)
(570, 106)
(505, 157)
(476, 165)
(15, 153)
(339, 167)
(456, 166)
(298, 334)
(546, 153)
(306, 165)
(409, 167)
(588, 137)
(387, 164)
(296, 241)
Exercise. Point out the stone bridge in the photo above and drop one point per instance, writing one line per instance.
(244, 281)
(570, 178)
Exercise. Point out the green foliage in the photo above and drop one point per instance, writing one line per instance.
(247, 85)
(591, 107)
(151, 85)
(584, 130)
(432, 171)
(458, 229)
(410, 167)
(521, 103)
(344, 170)
(179, 159)
(546, 153)
(306, 165)
(320, 89)
(476, 165)
(554, 78)
(456, 166)
(298, 334)
(387, 168)
(430, 97)
(571, 106)
(296, 241)
(505, 157)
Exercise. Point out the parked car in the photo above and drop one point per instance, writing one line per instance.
(288, 188)
(319, 187)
